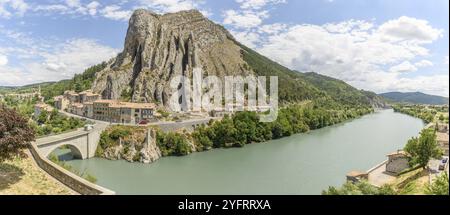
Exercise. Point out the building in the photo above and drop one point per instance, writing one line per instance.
(123, 112)
(88, 96)
(88, 110)
(101, 109)
(61, 102)
(76, 108)
(397, 162)
(72, 96)
(41, 107)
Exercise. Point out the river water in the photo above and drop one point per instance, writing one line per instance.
(301, 164)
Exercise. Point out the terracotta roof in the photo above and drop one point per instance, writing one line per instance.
(133, 105)
(44, 106)
(398, 153)
(78, 105)
(105, 101)
(118, 104)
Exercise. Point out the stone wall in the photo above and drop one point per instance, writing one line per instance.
(71, 180)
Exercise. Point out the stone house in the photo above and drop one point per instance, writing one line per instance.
(40, 107)
(88, 110)
(61, 102)
(76, 108)
(88, 96)
(397, 162)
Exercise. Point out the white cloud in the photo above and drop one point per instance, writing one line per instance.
(3, 60)
(244, 19)
(272, 28)
(170, 6)
(115, 12)
(58, 8)
(65, 60)
(9, 8)
(257, 4)
(252, 13)
(424, 63)
(407, 28)
(247, 38)
(404, 67)
(434, 85)
(92, 8)
(354, 51)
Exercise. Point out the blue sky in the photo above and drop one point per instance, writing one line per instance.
(378, 45)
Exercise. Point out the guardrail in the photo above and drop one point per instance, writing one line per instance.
(75, 182)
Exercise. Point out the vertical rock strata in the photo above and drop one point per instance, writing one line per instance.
(160, 47)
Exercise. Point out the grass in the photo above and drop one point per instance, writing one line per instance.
(412, 182)
(21, 176)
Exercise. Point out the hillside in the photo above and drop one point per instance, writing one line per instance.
(415, 98)
(159, 47)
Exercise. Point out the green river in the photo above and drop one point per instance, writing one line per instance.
(301, 164)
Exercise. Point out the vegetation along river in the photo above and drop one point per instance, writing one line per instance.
(300, 164)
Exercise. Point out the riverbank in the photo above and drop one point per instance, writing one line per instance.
(21, 176)
(410, 180)
(236, 131)
(304, 164)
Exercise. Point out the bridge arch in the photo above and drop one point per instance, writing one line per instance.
(74, 150)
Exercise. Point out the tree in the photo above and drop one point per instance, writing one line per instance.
(359, 188)
(43, 117)
(424, 148)
(15, 133)
(439, 186)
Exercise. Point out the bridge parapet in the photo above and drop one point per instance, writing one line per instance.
(82, 144)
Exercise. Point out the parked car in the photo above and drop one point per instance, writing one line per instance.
(445, 160)
(442, 166)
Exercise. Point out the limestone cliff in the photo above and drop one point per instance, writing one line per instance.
(139, 145)
(159, 47)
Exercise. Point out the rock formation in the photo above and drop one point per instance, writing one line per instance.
(160, 47)
(150, 152)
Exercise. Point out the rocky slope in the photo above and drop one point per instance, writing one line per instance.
(131, 144)
(160, 47)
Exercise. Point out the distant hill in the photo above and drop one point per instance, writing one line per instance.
(415, 98)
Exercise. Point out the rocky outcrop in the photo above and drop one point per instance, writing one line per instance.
(160, 47)
(151, 152)
(139, 146)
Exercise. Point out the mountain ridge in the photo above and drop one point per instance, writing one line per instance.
(415, 98)
(159, 47)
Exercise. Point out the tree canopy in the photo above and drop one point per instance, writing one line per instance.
(424, 148)
(15, 133)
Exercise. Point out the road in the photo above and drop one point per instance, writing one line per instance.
(164, 125)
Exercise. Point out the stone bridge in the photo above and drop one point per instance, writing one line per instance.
(82, 144)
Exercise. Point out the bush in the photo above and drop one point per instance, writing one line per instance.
(173, 144)
(439, 185)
